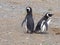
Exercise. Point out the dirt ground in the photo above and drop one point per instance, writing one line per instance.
(12, 13)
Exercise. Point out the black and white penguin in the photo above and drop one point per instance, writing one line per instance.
(29, 20)
(43, 24)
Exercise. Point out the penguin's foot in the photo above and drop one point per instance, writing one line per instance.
(30, 32)
(43, 33)
(36, 32)
(39, 32)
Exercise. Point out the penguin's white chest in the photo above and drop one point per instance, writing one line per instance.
(25, 24)
(43, 28)
(48, 22)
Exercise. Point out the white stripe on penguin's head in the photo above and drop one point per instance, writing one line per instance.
(47, 15)
(28, 8)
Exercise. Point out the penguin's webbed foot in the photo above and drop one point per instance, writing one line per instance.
(30, 32)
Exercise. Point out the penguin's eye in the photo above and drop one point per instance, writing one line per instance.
(50, 15)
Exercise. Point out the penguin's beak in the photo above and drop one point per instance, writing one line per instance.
(52, 14)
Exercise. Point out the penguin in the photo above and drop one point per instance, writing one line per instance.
(43, 24)
(29, 20)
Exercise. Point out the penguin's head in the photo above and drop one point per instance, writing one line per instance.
(49, 15)
(29, 9)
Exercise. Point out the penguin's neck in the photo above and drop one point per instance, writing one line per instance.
(29, 13)
(46, 17)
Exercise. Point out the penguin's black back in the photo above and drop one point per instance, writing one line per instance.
(30, 22)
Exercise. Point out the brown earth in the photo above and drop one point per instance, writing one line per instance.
(12, 13)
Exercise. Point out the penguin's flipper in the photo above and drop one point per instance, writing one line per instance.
(24, 21)
(43, 26)
(43, 22)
